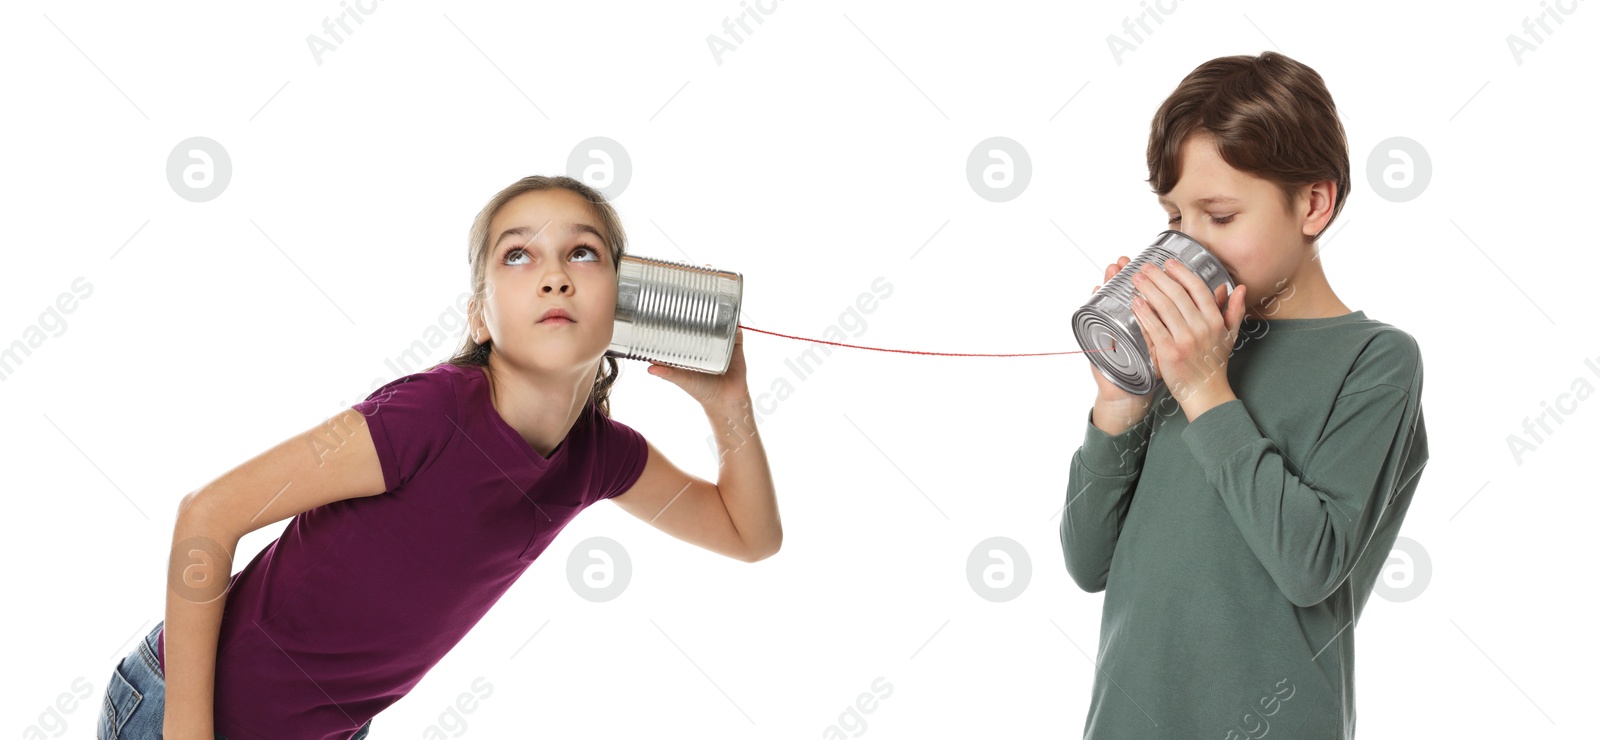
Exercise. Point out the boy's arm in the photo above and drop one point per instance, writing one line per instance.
(1309, 528)
(1100, 485)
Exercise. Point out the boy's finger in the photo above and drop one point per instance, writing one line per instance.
(1188, 281)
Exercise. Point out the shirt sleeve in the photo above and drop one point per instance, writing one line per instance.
(623, 453)
(1309, 523)
(411, 419)
(1104, 472)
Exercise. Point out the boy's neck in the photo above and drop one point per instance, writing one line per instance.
(1306, 295)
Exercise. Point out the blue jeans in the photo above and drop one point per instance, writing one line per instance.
(136, 694)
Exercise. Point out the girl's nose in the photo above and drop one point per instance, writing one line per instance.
(558, 283)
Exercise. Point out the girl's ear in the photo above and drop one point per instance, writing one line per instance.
(474, 320)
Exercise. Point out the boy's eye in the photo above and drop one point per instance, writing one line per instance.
(1218, 220)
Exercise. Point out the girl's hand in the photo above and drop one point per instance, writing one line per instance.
(708, 388)
(1192, 338)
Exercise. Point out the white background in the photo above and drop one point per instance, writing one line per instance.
(821, 154)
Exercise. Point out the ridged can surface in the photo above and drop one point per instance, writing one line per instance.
(676, 314)
(1109, 314)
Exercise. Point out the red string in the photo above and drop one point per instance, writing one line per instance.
(915, 352)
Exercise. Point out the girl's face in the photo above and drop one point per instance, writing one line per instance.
(546, 252)
(1242, 220)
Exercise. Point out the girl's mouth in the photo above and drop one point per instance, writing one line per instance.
(556, 315)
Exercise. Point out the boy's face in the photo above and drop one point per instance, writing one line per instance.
(1240, 218)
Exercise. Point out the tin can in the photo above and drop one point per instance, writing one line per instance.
(676, 314)
(1109, 314)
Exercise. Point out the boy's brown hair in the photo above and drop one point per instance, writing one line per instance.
(1269, 115)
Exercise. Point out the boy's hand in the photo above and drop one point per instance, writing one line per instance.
(1107, 391)
(1192, 330)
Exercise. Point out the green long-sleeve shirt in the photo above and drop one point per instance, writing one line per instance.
(1236, 551)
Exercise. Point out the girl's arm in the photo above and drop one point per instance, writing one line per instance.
(738, 515)
(332, 461)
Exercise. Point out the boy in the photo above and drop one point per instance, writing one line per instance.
(1237, 541)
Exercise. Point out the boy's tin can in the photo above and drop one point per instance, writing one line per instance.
(1109, 314)
(676, 314)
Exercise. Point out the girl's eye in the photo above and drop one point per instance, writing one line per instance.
(1174, 219)
(513, 253)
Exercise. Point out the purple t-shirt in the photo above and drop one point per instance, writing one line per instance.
(356, 600)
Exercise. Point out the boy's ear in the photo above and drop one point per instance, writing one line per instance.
(1315, 206)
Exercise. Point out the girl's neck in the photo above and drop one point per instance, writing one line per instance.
(542, 408)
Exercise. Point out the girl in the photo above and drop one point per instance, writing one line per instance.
(414, 510)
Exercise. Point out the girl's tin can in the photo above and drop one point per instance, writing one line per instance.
(676, 314)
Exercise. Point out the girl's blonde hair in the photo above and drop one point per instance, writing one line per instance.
(476, 354)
